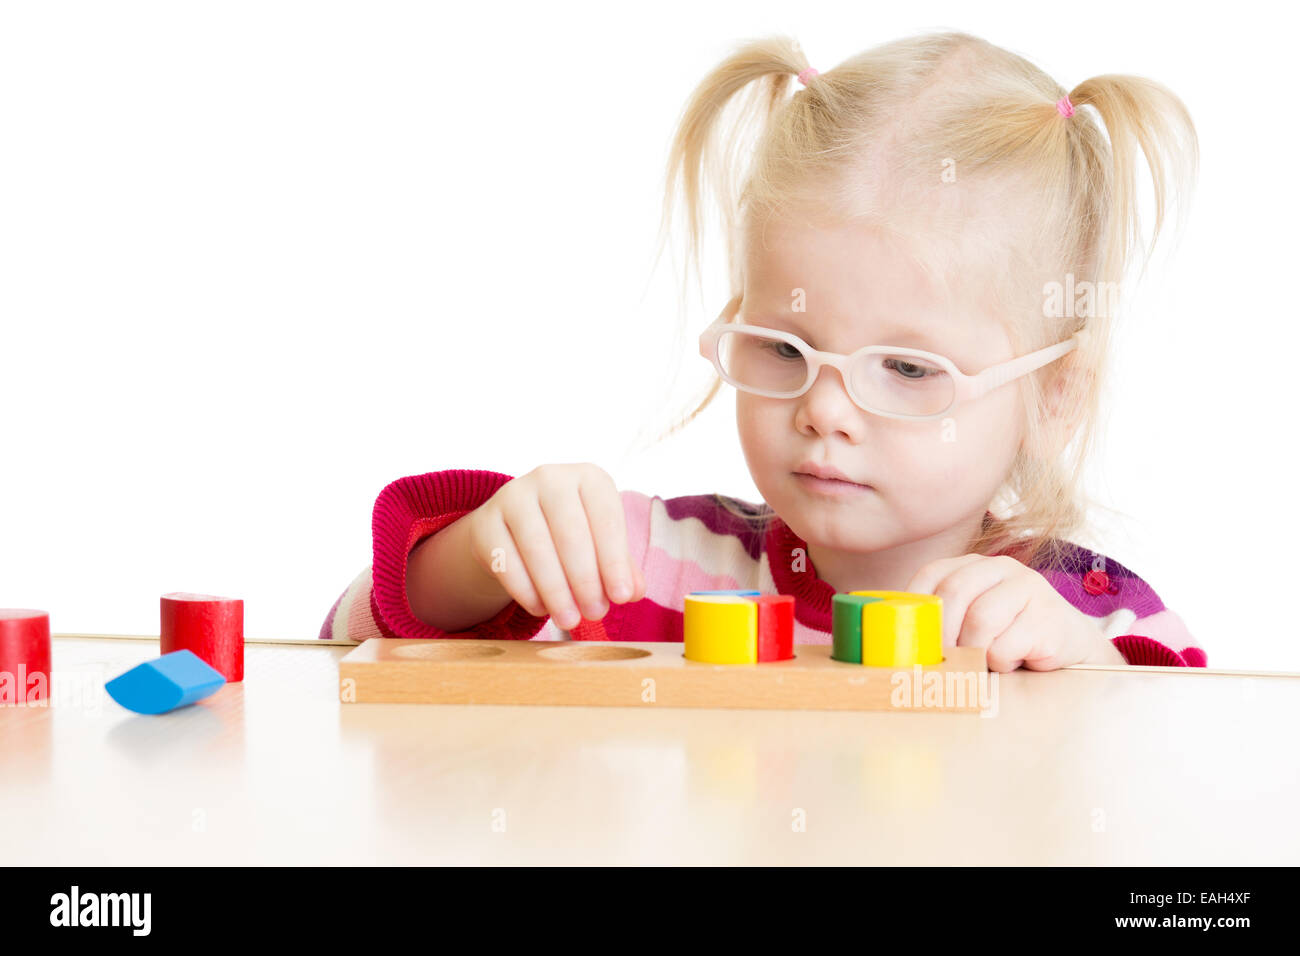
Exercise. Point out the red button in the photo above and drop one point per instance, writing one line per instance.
(1098, 582)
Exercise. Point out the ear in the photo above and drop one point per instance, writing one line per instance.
(1065, 399)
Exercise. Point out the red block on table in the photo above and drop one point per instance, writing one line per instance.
(24, 655)
(775, 626)
(212, 627)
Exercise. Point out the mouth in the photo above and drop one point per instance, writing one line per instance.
(829, 486)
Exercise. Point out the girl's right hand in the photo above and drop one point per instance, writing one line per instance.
(562, 539)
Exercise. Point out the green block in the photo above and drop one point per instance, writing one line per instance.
(846, 626)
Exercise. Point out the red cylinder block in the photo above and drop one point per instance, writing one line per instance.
(212, 627)
(24, 655)
(775, 627)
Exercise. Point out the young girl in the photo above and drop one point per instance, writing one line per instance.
(922, 252)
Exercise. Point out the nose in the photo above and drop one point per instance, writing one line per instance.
(827, 409)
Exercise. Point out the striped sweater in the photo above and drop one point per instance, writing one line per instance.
(691, 543)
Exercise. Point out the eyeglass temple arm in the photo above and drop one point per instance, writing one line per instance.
(999, 375)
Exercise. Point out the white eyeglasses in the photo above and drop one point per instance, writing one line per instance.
(882, 379)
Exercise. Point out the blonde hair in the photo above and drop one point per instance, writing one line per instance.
(903, 110)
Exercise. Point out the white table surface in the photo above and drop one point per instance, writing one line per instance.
(1080, 766)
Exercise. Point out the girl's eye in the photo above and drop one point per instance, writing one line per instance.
(910, 370)
(785, 350)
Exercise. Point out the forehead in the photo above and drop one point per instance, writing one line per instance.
(861, 283)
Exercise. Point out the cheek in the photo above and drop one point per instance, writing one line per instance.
(994, 425)
(963, 457)
(759, 424)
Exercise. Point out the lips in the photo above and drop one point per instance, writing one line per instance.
(831, 487)
(825, 471)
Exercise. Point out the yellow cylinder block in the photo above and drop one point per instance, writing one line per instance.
(886, 594)
(901, 629)
(720, 629)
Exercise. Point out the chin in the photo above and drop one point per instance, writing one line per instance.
(830, 526)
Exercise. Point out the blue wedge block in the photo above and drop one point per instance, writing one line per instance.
(165, 683)
(737, 593)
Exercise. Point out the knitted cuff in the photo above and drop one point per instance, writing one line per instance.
(407, 511)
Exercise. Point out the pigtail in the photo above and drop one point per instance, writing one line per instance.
(1138, 114)
(1090, 170)
(708, 159)
(723, 119)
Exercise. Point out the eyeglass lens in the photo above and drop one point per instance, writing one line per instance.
(898, 384)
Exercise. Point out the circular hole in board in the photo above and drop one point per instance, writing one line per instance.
(450, 651)
(592, 652)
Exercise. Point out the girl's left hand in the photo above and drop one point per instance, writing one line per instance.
(999, 603)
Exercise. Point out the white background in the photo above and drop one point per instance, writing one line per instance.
(259, 259)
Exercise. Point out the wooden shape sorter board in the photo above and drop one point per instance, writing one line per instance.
(606, 674)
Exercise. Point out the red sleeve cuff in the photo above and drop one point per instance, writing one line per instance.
(1148, 652)
(409, 510)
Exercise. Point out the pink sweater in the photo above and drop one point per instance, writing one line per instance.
(688, 544)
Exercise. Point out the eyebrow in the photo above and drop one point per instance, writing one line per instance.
(896, 335)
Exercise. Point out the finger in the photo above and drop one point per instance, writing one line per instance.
(992, 614)
(1015, 645)
(567, 519)
(608, 524)
(927, 579)
(505, 562)
(1048, 649)
(532, 536)
(961, 587)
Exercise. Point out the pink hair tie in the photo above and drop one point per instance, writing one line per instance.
(804, 75)
(1064, 106)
